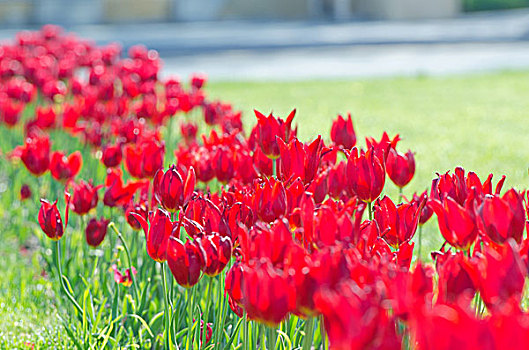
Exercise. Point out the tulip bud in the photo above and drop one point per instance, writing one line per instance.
(400, 167)
(96, 231)
(342, 132)
(112, 155)
(25, 192)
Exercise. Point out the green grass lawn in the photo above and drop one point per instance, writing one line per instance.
(478, 122)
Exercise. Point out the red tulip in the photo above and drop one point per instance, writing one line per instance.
(354, 318)
(223, 163)
(95, 232)
(400, 167)
(204, 217)
(198, 80)
(189, 132)
(171, 191)
(299, 160)
(118, 194)
(269, 200)
(233, 283)
(461, 187)
(35, 154)
(50, 220)
(138, 208)
(217, 250)
(45, 117)
(366, 174)
(427, 210)
(398, 223)
(342, 132)
(10, 111)
(457, 223)
(457, 276)
(383, 146)
(112, 155)
(319, 186)
(157, 233)
(501, 218)
(65, 168)
(271, 127)
(185, 261)
(501, 276)
(449, 326)
(84, 197)
(337, 180)
(25, 192)
(143, 159)
(268, 296)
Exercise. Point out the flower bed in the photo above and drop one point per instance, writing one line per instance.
(208, 235)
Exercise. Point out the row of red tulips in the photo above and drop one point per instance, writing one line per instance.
(293, 229)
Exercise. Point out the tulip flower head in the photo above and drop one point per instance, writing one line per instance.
(50, 219)
(157, 233)
(398, 223)
(143, 159)
(400, 167)
(342, 132)
(35, 154)
(112, 155)
(65, 168)
(186, 261)
(217, 251)
(84, 197)
(171, 190)
(366, 174)
(456, 223)
(501, 218)
(271, 127)
(95, 231)
(25, 192)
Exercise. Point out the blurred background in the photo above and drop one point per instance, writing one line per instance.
(22, 12)
(297, 39)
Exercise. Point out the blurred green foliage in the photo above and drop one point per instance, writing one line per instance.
(488, 5)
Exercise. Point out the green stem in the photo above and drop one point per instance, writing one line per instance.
(309, 329)
(127, 252)
(206, 314)
(262, 336)
(322, 332)
(274, 170)
(420, 241)
(220, 309)
(272, 338)
(245, 334)
(370, 211)
(63, 285)
(190, 316)
(400, 195)
(166, 315)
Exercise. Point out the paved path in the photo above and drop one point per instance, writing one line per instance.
(306, 50)
(353, 61)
